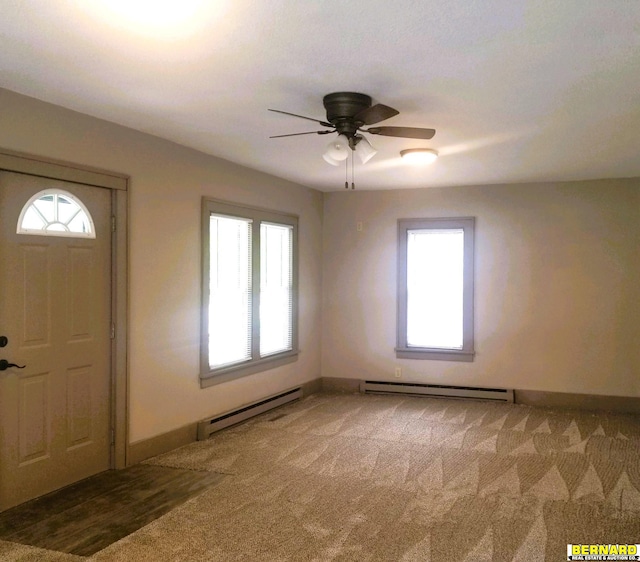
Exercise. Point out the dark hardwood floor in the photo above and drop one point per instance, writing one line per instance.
(94, 513)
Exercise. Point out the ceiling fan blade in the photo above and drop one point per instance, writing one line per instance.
(307, 133)
(375, 114)
(323, 123)
(404, 132)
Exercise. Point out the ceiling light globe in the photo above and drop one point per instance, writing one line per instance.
(419, 156)
(364, 150)
(330, 160)
(338, 149)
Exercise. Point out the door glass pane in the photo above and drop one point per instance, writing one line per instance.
(435, 265)
(32, 220)
(56, 213)
(276, 288)
(66, 209)
(230, 291)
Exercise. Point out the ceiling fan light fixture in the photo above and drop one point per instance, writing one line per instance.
(330, 160)
(337, 150)
(421, 156)
(364, 150)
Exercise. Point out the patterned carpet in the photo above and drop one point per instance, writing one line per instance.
(385, 478)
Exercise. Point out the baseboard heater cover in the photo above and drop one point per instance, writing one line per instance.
(216, 423)
(438, 390)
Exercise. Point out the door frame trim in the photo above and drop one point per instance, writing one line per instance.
(12, 161)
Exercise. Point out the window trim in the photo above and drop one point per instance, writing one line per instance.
(403, 351)
(208, 376)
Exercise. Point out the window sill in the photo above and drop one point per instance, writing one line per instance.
(434, 354)
(226, 374)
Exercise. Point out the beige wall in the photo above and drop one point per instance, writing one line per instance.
(557, 287)
(557, 292)
(167, 183)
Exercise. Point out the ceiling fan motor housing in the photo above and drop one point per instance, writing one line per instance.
(347, 112)
(342, 107)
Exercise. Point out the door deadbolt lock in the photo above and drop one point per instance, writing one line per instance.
(4, 340)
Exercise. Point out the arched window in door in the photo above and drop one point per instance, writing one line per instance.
(54, 212)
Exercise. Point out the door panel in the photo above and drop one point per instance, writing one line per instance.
(79, 426)
(55, 310)
(79, 307)
(35, 300)
(33, 418)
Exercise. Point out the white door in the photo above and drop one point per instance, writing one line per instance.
(55, 318)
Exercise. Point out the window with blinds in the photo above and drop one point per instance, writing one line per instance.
(229, 291)
(435, 266)
(276, 288)
(435, 289)
(249, 290)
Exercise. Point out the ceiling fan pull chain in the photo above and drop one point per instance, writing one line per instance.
(346, 173)
(353, 185)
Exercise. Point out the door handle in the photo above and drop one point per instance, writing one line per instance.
(4, 365)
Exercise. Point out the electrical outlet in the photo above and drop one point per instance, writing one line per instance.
(398, 372)
(359, 226)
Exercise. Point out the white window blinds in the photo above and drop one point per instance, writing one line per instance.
(249, 291)
(230, 298)
(276, 288)
(435, 279)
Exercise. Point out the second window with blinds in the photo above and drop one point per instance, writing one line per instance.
(249, 287)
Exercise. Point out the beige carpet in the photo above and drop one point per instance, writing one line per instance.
(383, 478)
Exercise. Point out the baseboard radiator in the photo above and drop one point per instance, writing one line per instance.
(211, 425)
(437, 390)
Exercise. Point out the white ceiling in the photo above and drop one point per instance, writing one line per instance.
(518, 91)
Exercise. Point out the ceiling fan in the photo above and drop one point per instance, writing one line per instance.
(347, 114)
